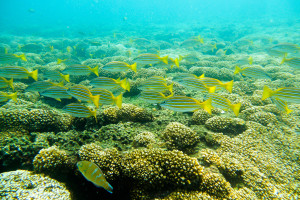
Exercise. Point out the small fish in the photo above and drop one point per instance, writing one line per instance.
(61, 61)
(276, 53)
(56, 76)
(211, 82)
(69, 50)
(191, 58)
(223, 103)
(150, 59)
(4, 83)
(107, 98)
(221, 52)
(253, 72)
(281, 105)
(77, 70)
(40, 86)
(141, 41)
(56, 92)
(10, 58)
(118, 66)
(196, 41)
(292, 62)
(110, 83)
(94, 174)
(288, 94)
(196, 84)
(51, 48)
(95, 43)
(154, 96)
(159, 79)
(79, 110)
(186, 104)
(286, 48)
(18, 72)
(180, 76)
(245, 61)
(155, 86)
(5, 97)
(82, 93)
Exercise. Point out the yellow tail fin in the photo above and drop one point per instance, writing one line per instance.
(176, 61)
(60, 83)
(125, 84)
(180, 58)
(23, 57)
(133, 67)
(214, 47)
(60, 60)
(118, 100)
(34, 74)
(95, 70)
(237, 70)
(211, 89)
(202, 76)
(95, 100)
(283, 60)
(267, 92)
(65, 77)
(13, 96)
(164, 59)
(236, 108)
(10, 83)
(94, 114)
(206, 105)
(228, 86)
(250, 60)
(170, 88)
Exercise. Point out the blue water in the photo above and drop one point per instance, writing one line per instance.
(88, 15)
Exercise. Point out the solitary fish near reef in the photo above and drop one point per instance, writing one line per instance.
(286, 47)
(149, 59)
(77, 70)
(287, 94)
(118, 66)
(186, 104)
(5, 83)
(79, 110)
(94, 174)
(281, 105)
(56, 76)
(154, 96)
(82, 93)
(110, 83)
(18, 72)
(223, 103)
(9, 58)
(5, 96)
(192, 42)
(292, 62)
(253, 72)
(107, 98)
(56, 92)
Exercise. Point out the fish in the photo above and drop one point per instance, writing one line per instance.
(94, 174)
(150, 59)
(196, 84)
(286, 48)
(196, 41)
(118, 66)
(154, 96)
(56, 92)
(18, 72)
(141, 41)
(79, 110)
(191, 58)
(4, 83)
(221, 52)
(211, 82)
(253, 72)
(107, 98)
(173, 62)
(95, 43)
(59, 61)
(292, 62)
(245, 61)
(10, 58)
(110, 83)
(155, 86)
(156, 79)
(56, 76)
(186, 104)
(78, 69)
(276, 53)
(288, 94)
(281, 105)
(40, 86)
(180, 76)
(69, 50)
(223, 103)
(82, 93)
(5, 97)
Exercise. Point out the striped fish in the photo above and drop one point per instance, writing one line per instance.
(156, 86)
(56, 76)
(56, 92)
(154, 96)
(276, 53)
(245, 61)
(186, 75)
(173, 62)
(223, 103)
(192, 42)
(5, 97)
(281, 105)
(292, 62)
(94, 174)
(40, 86)
(288, 94)
(18, 72)
(10, 58)
(107, 98)
(79, 110)
(186, 104)
(82, 93)
(286, 47)
(78, 69)
(4, 83)
(196, 84)
(211, 82)
(118, 66)
(253, 72)
(150, 59)
(110, 83)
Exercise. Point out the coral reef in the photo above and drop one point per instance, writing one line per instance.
(144, 139)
